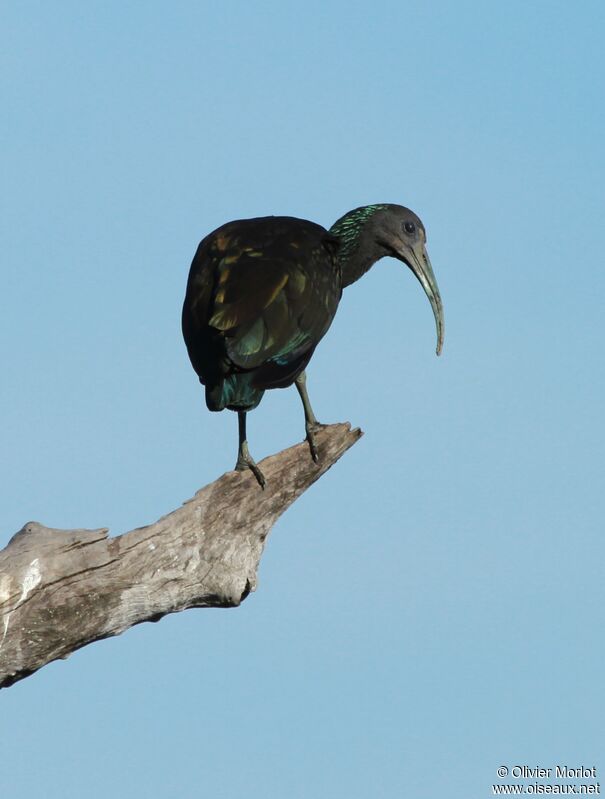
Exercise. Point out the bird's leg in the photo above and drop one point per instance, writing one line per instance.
(311, 423)
(244, 459)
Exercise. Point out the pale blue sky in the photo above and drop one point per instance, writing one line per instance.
(433, 608)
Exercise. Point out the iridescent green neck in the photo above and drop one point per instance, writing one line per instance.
(357, 252)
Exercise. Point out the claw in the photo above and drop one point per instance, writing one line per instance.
(312, 428)
(246, 461)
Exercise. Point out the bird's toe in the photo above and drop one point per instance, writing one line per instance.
(311, 429)
(243, 464)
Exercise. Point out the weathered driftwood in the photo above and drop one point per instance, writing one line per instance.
(63, 589)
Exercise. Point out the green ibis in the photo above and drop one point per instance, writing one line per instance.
(263, 292)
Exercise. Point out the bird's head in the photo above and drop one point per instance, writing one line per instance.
(373, 231)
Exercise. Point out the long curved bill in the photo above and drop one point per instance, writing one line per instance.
(420, 265)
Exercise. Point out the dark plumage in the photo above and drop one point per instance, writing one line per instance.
(263, 292)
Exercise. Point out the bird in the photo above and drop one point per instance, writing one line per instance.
(263, 292)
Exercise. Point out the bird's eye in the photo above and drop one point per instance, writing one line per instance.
(410, 227)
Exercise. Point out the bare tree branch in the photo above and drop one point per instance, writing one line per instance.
(63, 589)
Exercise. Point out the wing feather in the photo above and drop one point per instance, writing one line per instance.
(263, 292)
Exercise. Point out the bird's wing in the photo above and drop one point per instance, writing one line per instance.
(276, 289)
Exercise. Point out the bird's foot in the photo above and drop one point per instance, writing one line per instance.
(312, 428)
(246, 461)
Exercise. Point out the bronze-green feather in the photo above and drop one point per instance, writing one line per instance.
(263, 292)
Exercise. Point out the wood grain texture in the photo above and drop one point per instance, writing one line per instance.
(63, 589)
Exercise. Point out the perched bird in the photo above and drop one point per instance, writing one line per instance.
(263, 292)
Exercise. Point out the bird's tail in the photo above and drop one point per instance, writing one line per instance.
(235, 392)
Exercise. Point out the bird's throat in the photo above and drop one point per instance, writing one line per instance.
(358, 251)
